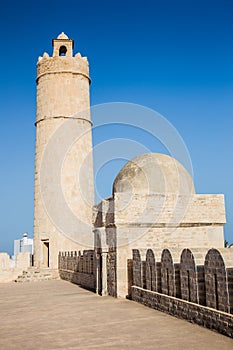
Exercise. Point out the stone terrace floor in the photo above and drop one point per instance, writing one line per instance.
(60, 315)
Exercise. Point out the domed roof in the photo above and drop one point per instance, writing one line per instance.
(154, 173)
(62, 36)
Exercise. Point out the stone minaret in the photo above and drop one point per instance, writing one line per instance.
(63, 197)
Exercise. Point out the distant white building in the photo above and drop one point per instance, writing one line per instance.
(23, 245)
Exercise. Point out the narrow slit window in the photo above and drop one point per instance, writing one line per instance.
(151, 278)
(216, 291)
(189, 289)
(168, 287)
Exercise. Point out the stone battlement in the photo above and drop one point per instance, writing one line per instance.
(62, 64)
(78, 268)
(197, 276)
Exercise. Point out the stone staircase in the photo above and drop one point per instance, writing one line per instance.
(35, 274)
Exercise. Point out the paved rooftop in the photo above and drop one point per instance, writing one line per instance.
(60, 315)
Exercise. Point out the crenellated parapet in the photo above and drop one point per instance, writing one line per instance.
(204, 279)
(62, 64)
(78, 267)
(62, 60)
(200, 276)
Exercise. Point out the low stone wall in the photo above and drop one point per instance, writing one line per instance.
(78, 268)
(197, 276)
(203, 316)
(11, 269)
(85, 280)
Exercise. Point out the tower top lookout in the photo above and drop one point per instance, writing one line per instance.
(63, 46)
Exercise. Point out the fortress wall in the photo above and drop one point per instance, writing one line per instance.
(78, 268)
(210, 284)
(192, 276)
(203, 316)
(4, 261)
(211, 291)
(156, 221)
(218, 271)
(123, 228)
(23, 260)
(144, 237)
(10, 269)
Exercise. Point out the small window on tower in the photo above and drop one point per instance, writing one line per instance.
(62, 51)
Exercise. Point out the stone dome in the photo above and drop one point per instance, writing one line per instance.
(62, 36)
(154, 173)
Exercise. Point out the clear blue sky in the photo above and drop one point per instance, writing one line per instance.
(173, 56)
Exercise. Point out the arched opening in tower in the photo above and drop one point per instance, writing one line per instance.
(62, 50)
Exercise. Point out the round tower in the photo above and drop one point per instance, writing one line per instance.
(64, 192)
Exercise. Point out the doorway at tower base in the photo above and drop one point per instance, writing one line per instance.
(45, 253)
